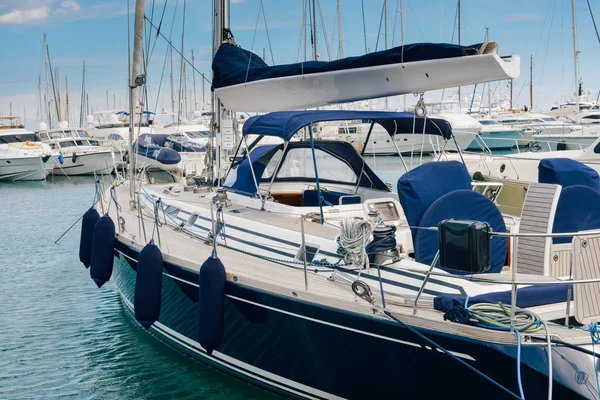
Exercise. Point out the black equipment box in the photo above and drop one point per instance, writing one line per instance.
(464, 245)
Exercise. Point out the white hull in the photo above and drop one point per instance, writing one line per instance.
(32, 168)
(100, 162)
(320, 89)
(565, 142)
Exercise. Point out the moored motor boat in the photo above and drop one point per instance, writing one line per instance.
(23, 157)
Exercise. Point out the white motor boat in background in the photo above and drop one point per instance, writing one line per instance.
(22, 156)
(496, 136)
(111, 128)
(406, 141)
(78, 154)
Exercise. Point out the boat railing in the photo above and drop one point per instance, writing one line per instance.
(514, 280)
(528, 145)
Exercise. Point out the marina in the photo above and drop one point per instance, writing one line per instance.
(241, 228)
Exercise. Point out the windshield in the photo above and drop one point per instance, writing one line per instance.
(298, 163)
(488, 122)
(20, 138)
(198, 134)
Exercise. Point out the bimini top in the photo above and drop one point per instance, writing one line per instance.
(284, 124)
(233, 65)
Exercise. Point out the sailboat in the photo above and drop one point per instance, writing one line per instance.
(303, 267)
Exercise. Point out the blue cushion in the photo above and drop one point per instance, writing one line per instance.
(419, 188)
(567, 172)
(578, 209)
(311, 198)
(530, 296)
(465, 205)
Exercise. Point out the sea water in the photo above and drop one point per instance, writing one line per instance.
(61, 336)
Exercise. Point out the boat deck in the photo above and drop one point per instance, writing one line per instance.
(191, 252)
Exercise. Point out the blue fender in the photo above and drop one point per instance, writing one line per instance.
(211, 298)
(88, 222)
(102, 250)
(148, 285)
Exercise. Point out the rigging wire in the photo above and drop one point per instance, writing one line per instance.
(593, 20)
(362, 2)
(267, 31)
(178, 52)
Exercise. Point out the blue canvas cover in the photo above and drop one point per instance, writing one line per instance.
(566, 172)
(151, 146)
(179, 143)
(261, 156)
(531, 296)
(464, 205)
(284, 124)
(420, 187)
(578, 209)
(233, 65)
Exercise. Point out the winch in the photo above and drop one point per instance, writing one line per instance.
(383, 247)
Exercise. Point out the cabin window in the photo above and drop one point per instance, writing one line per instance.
(347, 130)
(68, 143)
(298, 163)
(172, 211)
(22, 138)
(270, 169)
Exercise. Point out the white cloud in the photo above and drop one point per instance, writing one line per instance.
(25, 16)
(70, 5)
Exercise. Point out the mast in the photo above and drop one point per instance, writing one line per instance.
(82, 109)
(67, 99)
(41, 106)
(221, 26)
(60, 111)
(459, 43)
(575, 61)
(385, 25)
(172, 92)
(194, 80)
(135, 80)
(487, 35)
(531, 82)
(341, 44)
(314, 21)
(511, 94)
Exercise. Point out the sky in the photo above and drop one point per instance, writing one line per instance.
(97, 32)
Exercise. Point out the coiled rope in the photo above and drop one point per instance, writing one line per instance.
(355, 234)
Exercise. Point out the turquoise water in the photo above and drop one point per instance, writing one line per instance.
(61, 336)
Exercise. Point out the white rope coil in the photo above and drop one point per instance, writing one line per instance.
(354, 236)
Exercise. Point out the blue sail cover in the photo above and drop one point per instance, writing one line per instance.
(566, 172)
(284, 124)
(233, 65)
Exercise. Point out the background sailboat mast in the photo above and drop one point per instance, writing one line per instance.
(314, 33)
(459, 42)
(138, 35)
(575, 61)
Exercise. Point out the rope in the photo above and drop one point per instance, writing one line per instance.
(594, 330)
(464, 363)
(157, 223)
(355, 234)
